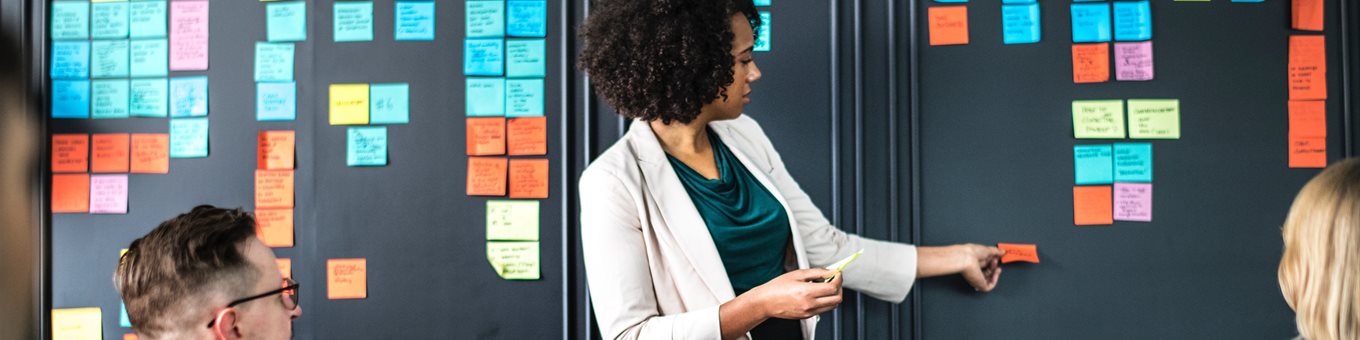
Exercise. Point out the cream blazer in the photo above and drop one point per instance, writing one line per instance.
(651, 265)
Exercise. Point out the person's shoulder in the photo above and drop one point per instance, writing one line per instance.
(614, 164)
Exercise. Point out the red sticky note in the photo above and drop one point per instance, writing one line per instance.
(130, 336)
(1091, 63)
(276, 150)
(1307, 152)
(273, 189)
(1307, 15)
(486, 136)
(150, 153)
(275, 227)
(1019, 252)
(1307, 67)
(1308, 118)
(528, 178)
(527, 136)
(70, 152)
(1093, 205)
(110, 152)
(285, 267)
(948, 25)
(346, 279)
(486, 176)
(71, 193)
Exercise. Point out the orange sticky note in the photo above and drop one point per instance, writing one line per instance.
(70, 152)
(285, 267)
(527, 136)
(275, 227)
(1308, 118)
(1307, 152)
(486, 176)
(1307, 15)
(276, 150)
(1090, 63)
(110, 152)
(273, 189)
(71, 193)
(1019, 252)
(486, 136)
(150, 153)
(948, 25)
(346, 279)
(1092, 205)
(1307, 67)
(528, 178)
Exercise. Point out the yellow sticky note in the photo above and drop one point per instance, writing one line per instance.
(76, 323)
(349, 104)
(514, 260)
(1099, 119)
(512, 220)
(1155, 118)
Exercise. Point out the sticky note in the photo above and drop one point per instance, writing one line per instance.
(1307, 67)
(70, 99)
(276, 150)
(189, 96)
(524, 97)
(1092, 205)
(525, 57)
(70, 152)
(109, 20)
(149, 58)
(1132, 162)
(149, 97)
(1090, 22)
(1094, 164)
(188, 137)
(527, 18)
(512, 220)
(1307, 152)
(150, 153)
(349, 104)
(762, 43)
(948, 25)
(77, 323)
(70, 20)
(528, 178)
(1020, 24)
(526, 136)
(514, 260)
(1308, 118)
(353, 21)
(389, 103)
(761, 2)
(485, 19)
(1133, 61)
(483, 57)
(71, 193)
(1155, 118)
(346, 279)
(285, 267)
(286, 21)
(1306, 15)
(1019, 252)
(70, 59)
(486, 176)
(415, 20)
(109, 98)
(367, 146)
(109, 152)
(485, 96)
(108, 194)
(1132, 20)
(1090, 63)
(109, 58)
(273, 189)
(275, 227)
(147, 19)
(122, 316)
(486, 136)
(275, 101)
(273, 62)
(1133, 202)
(1098, 119)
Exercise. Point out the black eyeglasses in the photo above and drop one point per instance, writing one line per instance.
(289, 297)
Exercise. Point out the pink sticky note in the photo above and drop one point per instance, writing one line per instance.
(188, 35)
(1133, 61)
(1133, 202)
(108, 194)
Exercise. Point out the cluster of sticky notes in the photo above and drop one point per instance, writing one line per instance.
(77, 323)
(1307, 98)
(1092, 31)
(1020, 23)
(274, 187)
(275, 89)
(1016, 252)
(1147, 119)
(496, 136)
(362, 104)
(347, 279)
(352, 21)
(1128, 166)
(512, 238)
(948, 25)
(110, 156)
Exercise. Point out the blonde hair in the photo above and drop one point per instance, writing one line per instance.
(1320, 270)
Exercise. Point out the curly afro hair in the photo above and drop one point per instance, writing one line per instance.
(661, 59)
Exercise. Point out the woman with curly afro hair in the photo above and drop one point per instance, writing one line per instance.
(692, 227)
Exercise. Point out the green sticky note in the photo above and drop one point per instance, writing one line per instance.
(353, 21)
(1094, 164)
(109, 98)
(485, 19)
(273, 61)
(511, 220)
(1155, 118)
(149, 58)
(109, 20)
(146, 19)
(367, 146)
(1098, 119)
(148, 97)
(389, 103)
(1133, 162)
(514, 260)
(525, 58)
(189, 137)
(70, 20)
(109, 58)
(763, 33)
(286, 21)
(485, 97)
(524, 97)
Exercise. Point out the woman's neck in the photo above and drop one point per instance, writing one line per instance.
(683, 138)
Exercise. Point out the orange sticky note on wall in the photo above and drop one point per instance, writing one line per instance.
(1307, 67)
(486, 136)
(150, 153)
(285, 267)
(1092, 205)
(110, 152)
(528, 136)
(1307, 152)
(273, 189)
(130, 336)
(71, 193)
(1090, 63)
(1308, 118)
(1307, 15)
(486, 176)
(346, 279)
(275, 227)
(70, 152)
(528, 178)
(1019, 252)
(277, 150)
(948, 25)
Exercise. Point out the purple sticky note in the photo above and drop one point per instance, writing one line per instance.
(108, 194)
(1132, 202)
(1133, 60)
(188, 35)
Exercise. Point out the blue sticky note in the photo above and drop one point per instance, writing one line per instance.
(146, 19)
(70, 20)
(188, 137)
(1133, 162)
(70, 59)
(109, 20)
(761, 2)
(389, 103)
(527, 18)
(1094, 164)
(275, 101)
(149, 58)
(1132, 21)
(415, 20)
(70, 99)
(1090, 22)
(1020, 23)
(286, 21)
(109, 98)
(485, 96)
(485, 19)
(189, 96)
(763, 33)
(273, 61)
(109, 58)
(526, 58)
(524, 97)
(483, 57)
(353, 21)
(367, 146)
(122, 316)
(148, 97)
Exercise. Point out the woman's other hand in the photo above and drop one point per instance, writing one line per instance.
(794, 295)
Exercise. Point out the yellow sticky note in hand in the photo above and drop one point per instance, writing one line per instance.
(349, 104)
(840, 265)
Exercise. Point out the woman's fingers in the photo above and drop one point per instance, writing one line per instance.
(810, 274)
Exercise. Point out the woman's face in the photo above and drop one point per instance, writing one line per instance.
(744, 72)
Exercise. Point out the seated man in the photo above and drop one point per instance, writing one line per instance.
(204, 275)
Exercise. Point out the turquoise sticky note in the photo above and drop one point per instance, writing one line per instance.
(109, 20)
(70, 99)
(1094, 164)
(1132, 20)
(485, 96)
(273, 61)
(286, 21)
(485, 19)
(1090, 22)
(188, 137)
(146, 19)
(1020, 24)
(763, 33)
(109, 98)
(761, 2)
(415, 20)
(367, 146)
(149, 58)
(527, 18)
(122, 316)
(109, 58)
(70, 59)
(353, 21)
(275, 101)
(189, 96)
(1133, 162)
(526, 58)
(70, 20)
(524, 97)
(483, 57)
(148, 97)
(389, 103)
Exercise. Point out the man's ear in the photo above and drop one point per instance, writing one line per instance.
(225, 327)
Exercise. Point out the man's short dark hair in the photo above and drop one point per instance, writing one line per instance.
(179, 263)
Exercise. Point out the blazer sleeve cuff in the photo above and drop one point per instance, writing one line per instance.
(886, 271)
